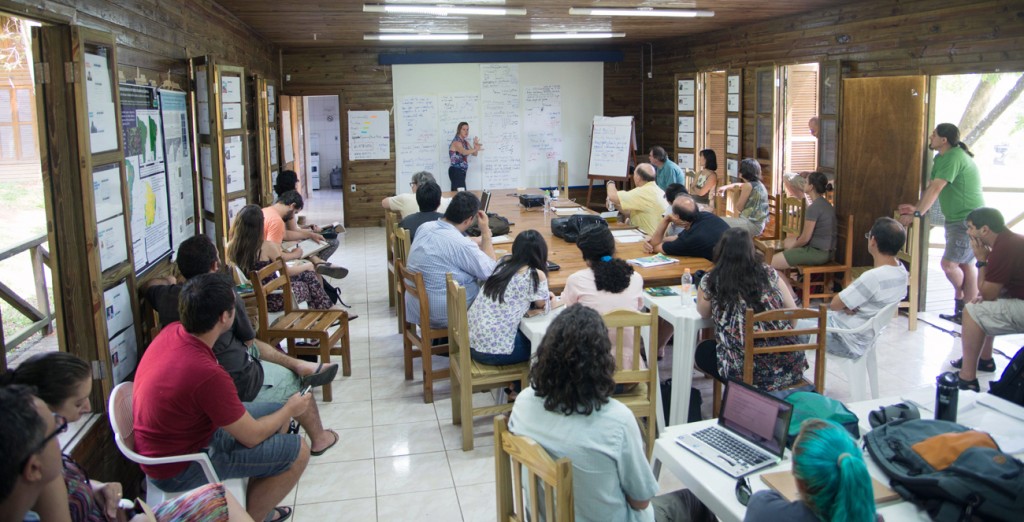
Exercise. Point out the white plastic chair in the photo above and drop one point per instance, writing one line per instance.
(867, 366)
(119, 411)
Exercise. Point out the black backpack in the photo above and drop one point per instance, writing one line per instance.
(568, 228)
(981, 481)
(1010, 385)
(499, 226)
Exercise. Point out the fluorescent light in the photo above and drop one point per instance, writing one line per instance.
(421, 37)
(642, 11)
(567, 36)
(441, 9)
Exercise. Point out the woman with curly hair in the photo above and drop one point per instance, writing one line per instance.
(738, 281)
(248, 251)
(831, 477)
(569, 410)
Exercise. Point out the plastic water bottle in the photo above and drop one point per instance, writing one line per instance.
(687, 283)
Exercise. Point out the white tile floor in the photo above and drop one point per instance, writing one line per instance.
(401, 459)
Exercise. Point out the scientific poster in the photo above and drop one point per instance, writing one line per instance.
(271, 104)
(232, 116)
(733, 84)
(686, 102)
(369, 135)
(286, 137)
(234, 207)
(203, 117)
(230, 89)
(205, 162)
(117, 303)
(112, 245)
(732, 103)
(211, 230)
(202, 94)
(732, 167)
(100, 100)
(685, 160)
(208, 195)
(732, 145)
(106, 188)
(686, 140)
(732, 126)
(273, 146)
(686, 123)
(123, 355)
(234, 164)
(178, 158)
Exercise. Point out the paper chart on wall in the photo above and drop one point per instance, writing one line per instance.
(732, 167)
(732, 103)
(232, 114)
(686, 87)
(206, 161)
(202, 93)
(100, 98)
(286, 136)
(123, 355)
(112, 244)
(208, 195)
(502, 127)
(106, 188)
(145, 173)
(733, 84)
(117, 303)
(271, 104)
(178, 157)
(686, 102)
(686, 124)
(210, 230)
(732, 145)
(273, 146)
(369, 135)
(686, 140)
(203, 108)
(732, 126)
(542, 111)
(685, 160)
(234, 207)
(230, 89)
(453, 109)
(415, 122)
(234, 164)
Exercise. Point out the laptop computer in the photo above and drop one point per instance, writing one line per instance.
(485, 200)
(751, 432)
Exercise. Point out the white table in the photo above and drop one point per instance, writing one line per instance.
(717, 490)
(686, 323)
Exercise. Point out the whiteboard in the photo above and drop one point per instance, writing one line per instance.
(611, 146)
(546, 119)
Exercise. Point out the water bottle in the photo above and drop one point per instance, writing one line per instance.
(554, 194)
(947, 393)
(547, 203)
(687, 283)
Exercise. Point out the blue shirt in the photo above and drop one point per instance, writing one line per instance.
(668, 174)
(440, 248)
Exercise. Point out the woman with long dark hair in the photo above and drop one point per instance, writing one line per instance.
(814, 246)
(518, 282)
(64, 383)
(707, 179)
(738, 281)
(459, 152)
(831, 477)
(248, 251)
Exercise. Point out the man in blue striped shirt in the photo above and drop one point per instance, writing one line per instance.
(442, 247)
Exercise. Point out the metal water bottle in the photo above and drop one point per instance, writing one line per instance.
(947, 393)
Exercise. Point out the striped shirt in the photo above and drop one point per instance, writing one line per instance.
(441, 248)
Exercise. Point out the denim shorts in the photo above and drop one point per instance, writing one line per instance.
(231, 459)
(958, 244)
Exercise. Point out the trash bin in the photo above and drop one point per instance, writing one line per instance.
(336, 178)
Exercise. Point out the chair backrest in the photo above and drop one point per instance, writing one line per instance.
(391, 219)
(750, 337)
(618, 323)
(731, 195)
(691, 180)
(883, 318)
(412, 283)
(458, 328)
(546, 478)
(402, 243)
(792, 212)
(119, 411)
(281, 282)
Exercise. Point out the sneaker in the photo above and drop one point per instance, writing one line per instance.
(984, 365)
(956, 318)
(329, 270)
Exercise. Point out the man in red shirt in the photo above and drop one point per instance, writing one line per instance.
(276, 231)
(999, 308)
(185, 402)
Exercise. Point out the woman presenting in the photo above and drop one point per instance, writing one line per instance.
(458, 152)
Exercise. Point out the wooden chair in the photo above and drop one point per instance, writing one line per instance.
(823, 276)
(469, 376)
(400, 246)
(792, 212)
(391, 219)
(418, 341)
(691, 180)
(774, 220)
(784, 314)
(512, 453)
(910, 255)
(300, 324)
(725, 204)
(642, 383)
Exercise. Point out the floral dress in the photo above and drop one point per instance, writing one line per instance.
(771, 371)
(306, 288)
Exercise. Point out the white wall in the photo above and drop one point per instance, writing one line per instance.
(319, 110)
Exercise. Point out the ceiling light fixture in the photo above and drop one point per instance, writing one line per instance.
(567, 36)
(441, 9)
(421, 37)
(641, 11)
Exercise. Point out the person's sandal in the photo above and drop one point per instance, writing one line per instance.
(984, 365)
(329, 270)
(279, 514)
(971, 385)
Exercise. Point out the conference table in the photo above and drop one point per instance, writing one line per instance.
(1000, 418)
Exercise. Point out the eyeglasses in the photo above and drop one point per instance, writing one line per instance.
(61, 427)
(413, 185)
(743, 491)
(867, 235)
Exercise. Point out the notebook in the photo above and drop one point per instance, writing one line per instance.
(750, 435)
(785, 484)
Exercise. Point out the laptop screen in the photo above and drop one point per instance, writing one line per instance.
(756, 416)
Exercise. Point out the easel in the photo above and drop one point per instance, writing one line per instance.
(614, 145)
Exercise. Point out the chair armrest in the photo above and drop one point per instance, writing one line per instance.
(202, 458)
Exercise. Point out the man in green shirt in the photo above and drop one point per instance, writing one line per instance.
(956, 184)
(667, 171)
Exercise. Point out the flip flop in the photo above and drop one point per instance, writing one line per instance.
(331, 445)
(281, 513)
(319, 377)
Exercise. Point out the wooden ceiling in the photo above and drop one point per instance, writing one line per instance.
(294, 24)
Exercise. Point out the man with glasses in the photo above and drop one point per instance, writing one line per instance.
(405, 204)
(667, 171)
(30, 459)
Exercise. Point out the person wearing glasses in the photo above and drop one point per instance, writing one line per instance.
(405, 204)
(30, 461)
(831, 477)
(64, 383)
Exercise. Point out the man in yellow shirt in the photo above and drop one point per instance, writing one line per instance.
(645, 205)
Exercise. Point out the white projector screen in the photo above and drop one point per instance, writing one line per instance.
(528, 116)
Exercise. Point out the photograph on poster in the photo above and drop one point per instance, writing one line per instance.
(230, 89)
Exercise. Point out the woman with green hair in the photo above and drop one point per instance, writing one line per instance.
(831, 476)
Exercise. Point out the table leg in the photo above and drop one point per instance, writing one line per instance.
(683, 347)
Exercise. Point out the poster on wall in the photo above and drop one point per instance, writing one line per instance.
(99, 93)
(273, 146)
(178, 160)
(124, 355)
(230, 89)
(232, 113)
(271, 104)
(117, 302)
(234, 164)
(106, 191)
(111, 239)
(145, 172)
(369, 135)
(286, 136)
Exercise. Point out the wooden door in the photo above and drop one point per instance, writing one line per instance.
(714, 115)
(882, 130)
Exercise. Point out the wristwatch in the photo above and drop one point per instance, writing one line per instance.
(981, 264)
(917, 213)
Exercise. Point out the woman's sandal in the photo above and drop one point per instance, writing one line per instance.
(279, 514)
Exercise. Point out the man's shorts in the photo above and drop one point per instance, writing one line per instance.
(999, 317)
(232, 459)
(958, 243)
(279, 383)
(806, 256)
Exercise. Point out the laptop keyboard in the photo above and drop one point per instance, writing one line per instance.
(729, 446)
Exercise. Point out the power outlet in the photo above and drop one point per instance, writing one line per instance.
(352, 187)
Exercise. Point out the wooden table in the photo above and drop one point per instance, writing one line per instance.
(506, 204)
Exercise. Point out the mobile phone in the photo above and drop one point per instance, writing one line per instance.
(303, 392)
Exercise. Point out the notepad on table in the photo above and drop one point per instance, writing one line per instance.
(569, 211)
(655, 260)
(785, 484)
(500, 240)
(660, 291)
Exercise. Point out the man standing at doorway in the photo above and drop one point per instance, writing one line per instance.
(956, 184)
